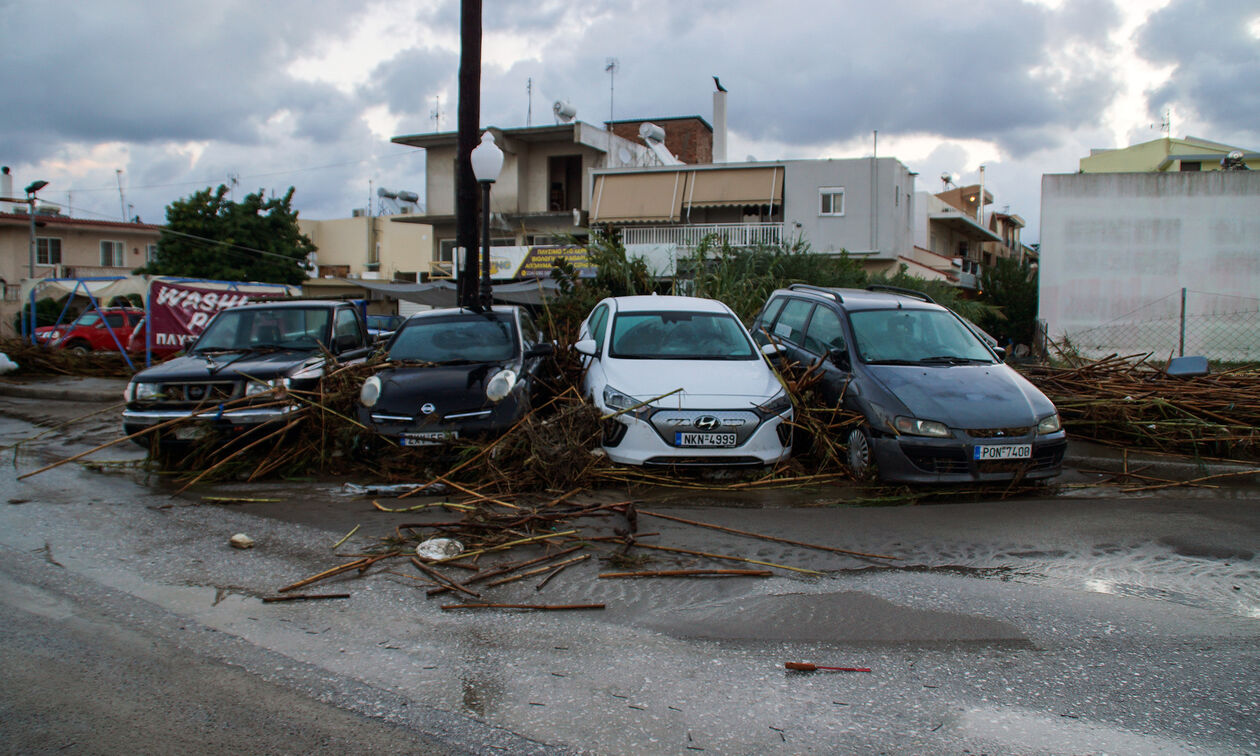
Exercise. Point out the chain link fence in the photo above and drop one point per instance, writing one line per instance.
(1220, 327)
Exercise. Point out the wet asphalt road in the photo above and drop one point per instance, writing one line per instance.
(1088, 622)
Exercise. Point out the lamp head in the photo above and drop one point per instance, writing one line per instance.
(487, 159)
(35, 186)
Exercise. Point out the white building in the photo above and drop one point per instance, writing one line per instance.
(1118, 250)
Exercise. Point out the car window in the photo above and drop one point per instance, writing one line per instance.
(680, 336)
(598, 319)
(347, 324)
(824, 332)
(460, 338)
(766, 321)
(88, 319)
(790, 325)
(907, 335)
(288, 328)
(529, 329)
(115, 320)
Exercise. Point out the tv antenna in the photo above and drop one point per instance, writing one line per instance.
(529, 93)
(436, 115)
(611, 66)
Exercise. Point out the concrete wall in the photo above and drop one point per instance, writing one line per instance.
(405, 247)
(1117, 248)
(80, 245)
(877, 205)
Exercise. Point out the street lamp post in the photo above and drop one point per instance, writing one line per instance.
(31, 189)
(487, 162)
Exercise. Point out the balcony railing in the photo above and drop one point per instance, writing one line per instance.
(734, 234)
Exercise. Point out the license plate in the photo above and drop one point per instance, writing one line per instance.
(429, 438)
(704, 439)
(1002, 451)
(189, 432)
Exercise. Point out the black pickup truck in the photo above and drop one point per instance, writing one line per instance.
(234, 376)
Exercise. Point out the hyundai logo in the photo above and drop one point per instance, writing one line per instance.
(706, 422)
(427, 408)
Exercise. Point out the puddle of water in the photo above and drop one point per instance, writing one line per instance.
(1032, 732)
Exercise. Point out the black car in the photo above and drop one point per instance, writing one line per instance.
(455, 373)
(381, 327)
(939, 404)
(233, 377)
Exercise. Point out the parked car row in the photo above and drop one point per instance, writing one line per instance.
(678, 380)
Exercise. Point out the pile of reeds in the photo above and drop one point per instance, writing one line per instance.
(37, 359)
(496, 542)
(1127, 402)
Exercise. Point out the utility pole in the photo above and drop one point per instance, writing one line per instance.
(466, 194)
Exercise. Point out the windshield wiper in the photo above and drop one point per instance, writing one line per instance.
(892, 362)
(949, 359)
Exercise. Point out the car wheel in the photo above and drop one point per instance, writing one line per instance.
(79, 347)
(860, 458)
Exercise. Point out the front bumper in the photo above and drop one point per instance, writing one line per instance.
(917, 459)
(473, 423)
(228, 420)
(641, 444)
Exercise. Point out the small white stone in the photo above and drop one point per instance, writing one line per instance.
(241, 541)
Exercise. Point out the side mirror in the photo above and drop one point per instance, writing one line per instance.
(346, 342)
(587, 347)
(542, 349)
(1001, 352)
(772, 349)
(840, 358)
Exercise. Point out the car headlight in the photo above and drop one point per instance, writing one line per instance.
(912, 426)
(370, 392)
(141, 392)
(1049, 424)
(499, 386)
(619, 402)
(253, 387)
(777, 405)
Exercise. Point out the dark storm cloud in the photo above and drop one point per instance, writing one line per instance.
(1217, 60)
(809, 73)
(408, 82)
(144, 72)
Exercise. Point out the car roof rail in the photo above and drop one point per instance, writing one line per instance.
(817, 289)
(899, 290)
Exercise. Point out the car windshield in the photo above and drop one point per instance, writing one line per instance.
(276, 328)
(471, 337)
(680, 336)
(88, 319)
(911, 336)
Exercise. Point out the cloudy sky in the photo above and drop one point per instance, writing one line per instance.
(126, 105)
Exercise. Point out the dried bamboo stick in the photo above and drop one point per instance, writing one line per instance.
(696, 523)
(688, 573)
(745, 560)
(535, 607)
(539, 571)
(442, 579)
(305, 597)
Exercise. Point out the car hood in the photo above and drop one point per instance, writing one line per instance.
(705, 384)
(965, 396)
(229, 366)
(450, 388)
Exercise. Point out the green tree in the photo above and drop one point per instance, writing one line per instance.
(1011, 288)
(209, 236)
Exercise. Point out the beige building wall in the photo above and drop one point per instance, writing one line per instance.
(370, 247)
(80, 244)
(1164, 155)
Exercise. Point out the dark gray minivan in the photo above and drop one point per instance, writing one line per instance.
(938, 402)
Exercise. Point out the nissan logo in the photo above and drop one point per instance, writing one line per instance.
(427, 408)
(706, 422)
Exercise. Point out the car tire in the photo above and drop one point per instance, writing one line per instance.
(861, 457)
(80, 348)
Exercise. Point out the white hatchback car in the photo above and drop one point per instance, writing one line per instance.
(682, 383)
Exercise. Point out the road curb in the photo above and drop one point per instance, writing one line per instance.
(62, 393)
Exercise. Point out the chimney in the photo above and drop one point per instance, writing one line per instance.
(6, 189)
(719, 122)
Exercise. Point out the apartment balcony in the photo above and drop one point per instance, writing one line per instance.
(734, 234)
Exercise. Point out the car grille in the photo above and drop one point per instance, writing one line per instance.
(742, 423)
(198, 392)
(998, 432)
(946, 461)
(942, 461)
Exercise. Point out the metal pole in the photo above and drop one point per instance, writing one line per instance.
(467, 139)
(486, 299)
(30, 201)
(1181, 348)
